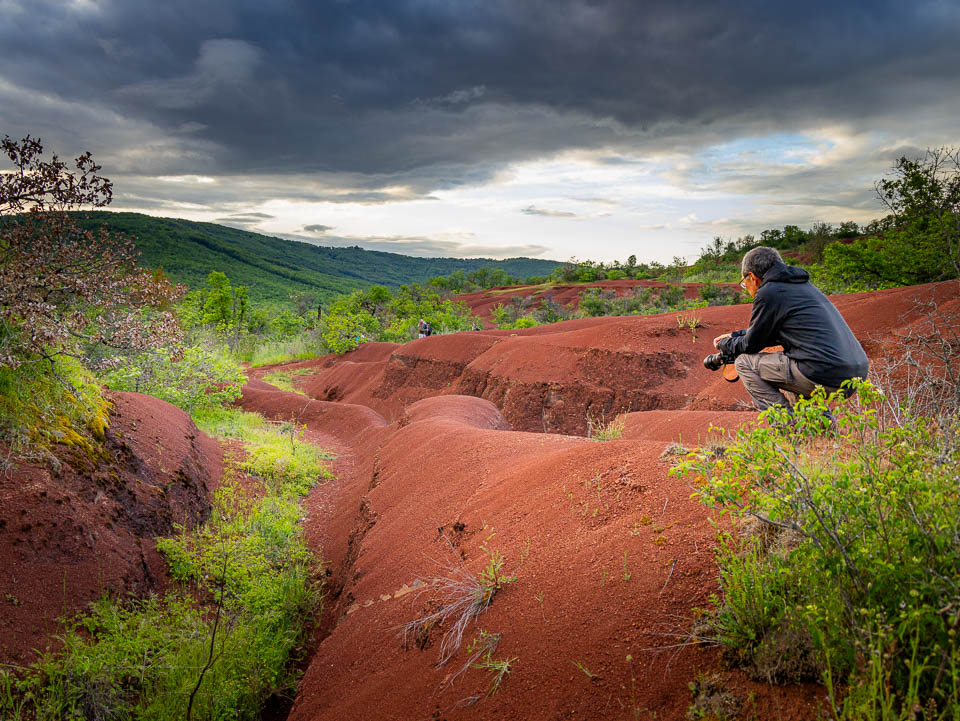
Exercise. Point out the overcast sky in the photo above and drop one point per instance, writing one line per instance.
(496, 127)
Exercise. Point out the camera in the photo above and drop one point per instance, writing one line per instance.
(715, 361)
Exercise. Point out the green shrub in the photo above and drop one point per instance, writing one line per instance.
(43, 404)
(144, 659)
(202, 378)
(343, 332)
(853, 570)
(720, 295)
(525, 321)
(611, 431)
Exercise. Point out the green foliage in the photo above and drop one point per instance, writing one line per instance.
(526, 321)
(303, 346)
(220, 647)
(202, 378)
(287, 324)
(273, 451)
(480, 279)
(530, 311)
(343, 332)
(498, 670)
(899, 258)
(719, 295)
(275, 269)
(612, 431)
(283, 379)
(219, 304)
(854, 570)
(596, 302)
(378, 315)
(44, 403)
(924, 197)
(492, 579)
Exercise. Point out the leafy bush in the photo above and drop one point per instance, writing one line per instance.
(202, 378)
(720, 295)
(596, 302)
(898, 258)
(854, 570)
(525, 321)
(43, 404)
(343, 332)
(611, 431)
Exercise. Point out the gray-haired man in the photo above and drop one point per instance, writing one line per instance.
(818, 346)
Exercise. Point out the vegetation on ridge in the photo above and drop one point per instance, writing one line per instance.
(276, 269)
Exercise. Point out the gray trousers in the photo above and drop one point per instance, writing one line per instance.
(773, 379)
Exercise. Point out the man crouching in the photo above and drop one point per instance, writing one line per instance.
(788, 310)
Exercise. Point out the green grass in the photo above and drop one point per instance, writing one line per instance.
(539, 288)
(38, 409)
(304, 346)
(612, 431)
(284, 379)
(273, 451)
(222, 642)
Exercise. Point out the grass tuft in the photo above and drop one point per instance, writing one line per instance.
(463, 596)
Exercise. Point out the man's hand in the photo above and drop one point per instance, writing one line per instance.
(716, 341)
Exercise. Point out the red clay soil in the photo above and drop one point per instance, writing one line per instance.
(449, 453)
(86, 525)
(564, 376)
(449, 449)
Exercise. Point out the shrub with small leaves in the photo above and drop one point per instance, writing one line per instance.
(852, 572)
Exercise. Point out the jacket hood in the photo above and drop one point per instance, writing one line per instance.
(782, 273)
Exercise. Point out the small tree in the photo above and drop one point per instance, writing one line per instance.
(63, 288)
(924, 195)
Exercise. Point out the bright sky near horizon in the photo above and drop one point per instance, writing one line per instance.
(588, 128)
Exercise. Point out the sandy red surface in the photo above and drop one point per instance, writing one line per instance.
(455, 447)
(450, 449)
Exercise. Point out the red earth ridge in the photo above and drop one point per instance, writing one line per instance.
(450, 449)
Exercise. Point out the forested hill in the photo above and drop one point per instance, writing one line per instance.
(274, 268)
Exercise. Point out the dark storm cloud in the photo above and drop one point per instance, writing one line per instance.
(317, 228)
(431, 95)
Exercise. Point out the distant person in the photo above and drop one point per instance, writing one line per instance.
(423, 329)
(819, 349)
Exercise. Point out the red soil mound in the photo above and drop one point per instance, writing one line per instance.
(562, 377)
(610, 554)
(87, 526)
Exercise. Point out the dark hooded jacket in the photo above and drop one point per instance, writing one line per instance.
(789, 310)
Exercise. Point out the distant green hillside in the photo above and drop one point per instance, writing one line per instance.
(274, 268)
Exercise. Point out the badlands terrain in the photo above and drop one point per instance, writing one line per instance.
(451, 450)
